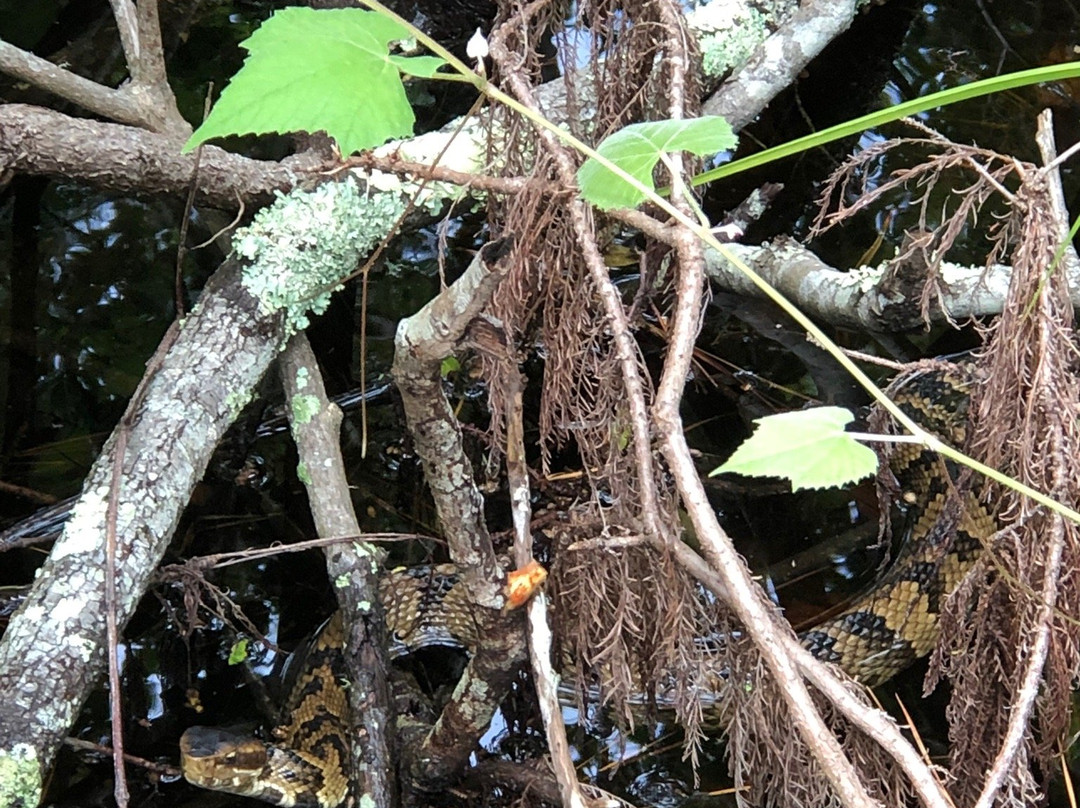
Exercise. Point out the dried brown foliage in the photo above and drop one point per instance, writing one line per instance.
(630, 616)
(769, 760)
(1024, 425)
(631, 619)
(952, 184)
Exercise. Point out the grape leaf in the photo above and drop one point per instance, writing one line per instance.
(330, 69)
(808, 447)
(636, 148)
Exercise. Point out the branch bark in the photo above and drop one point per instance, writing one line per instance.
(422, 342)
(353, 567)
(777, 62)
(858, 298)
(53, 650)
(128, 160)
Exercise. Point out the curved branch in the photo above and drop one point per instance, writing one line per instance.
(35, 140)
(865, 297)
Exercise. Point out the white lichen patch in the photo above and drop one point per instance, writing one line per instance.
(20, 776)
(304, 408)
(85, 647)
(300, 249)
(67, 609)
(863, 278)
(84, 531)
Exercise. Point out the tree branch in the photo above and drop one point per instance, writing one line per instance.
(353, 567)
(38, 141)
(778, 61)
(422, 342)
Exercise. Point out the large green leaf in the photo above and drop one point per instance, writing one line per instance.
(310, 70)
(636, 148)
(808, 447)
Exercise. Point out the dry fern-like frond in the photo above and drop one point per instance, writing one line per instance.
(1011, 630)
(950, 189)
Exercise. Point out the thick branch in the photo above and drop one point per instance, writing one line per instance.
(778, 61)
(858, 298)
(423, 341)
(53, 650)
(34, 140)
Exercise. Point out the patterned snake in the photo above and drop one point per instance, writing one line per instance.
(881, 633)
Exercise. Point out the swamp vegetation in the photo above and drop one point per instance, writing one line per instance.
(578, 375)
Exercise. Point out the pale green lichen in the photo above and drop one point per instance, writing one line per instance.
(303, 474)
(342, 581)
(304, 408)
(237, 400)
(20, 776)
(302, 378)
(299, 250)
(366, 801)
(729, 34)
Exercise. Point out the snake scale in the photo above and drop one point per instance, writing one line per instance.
(878, 635)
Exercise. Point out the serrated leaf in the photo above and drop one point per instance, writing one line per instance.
(636, 149)
(808, 447)
(330, 69)
(238, 653)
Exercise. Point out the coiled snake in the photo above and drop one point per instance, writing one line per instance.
(877, 636)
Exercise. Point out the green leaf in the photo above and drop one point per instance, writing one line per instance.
(310, 70)
(238, 653)
(450, 364)
(636, 148)
(808, 447)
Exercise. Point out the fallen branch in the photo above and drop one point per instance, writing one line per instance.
(354, 568)
(422, 342)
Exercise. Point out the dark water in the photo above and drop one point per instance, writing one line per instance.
(87, 288)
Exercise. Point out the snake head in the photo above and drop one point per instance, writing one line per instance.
(222, 760)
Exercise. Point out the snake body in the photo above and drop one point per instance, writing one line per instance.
(881, 633)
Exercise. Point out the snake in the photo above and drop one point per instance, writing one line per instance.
(944, 527)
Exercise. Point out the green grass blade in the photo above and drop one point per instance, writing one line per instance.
(943, 98)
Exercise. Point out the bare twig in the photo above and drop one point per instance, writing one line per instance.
(116, 712)
(539, 631)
